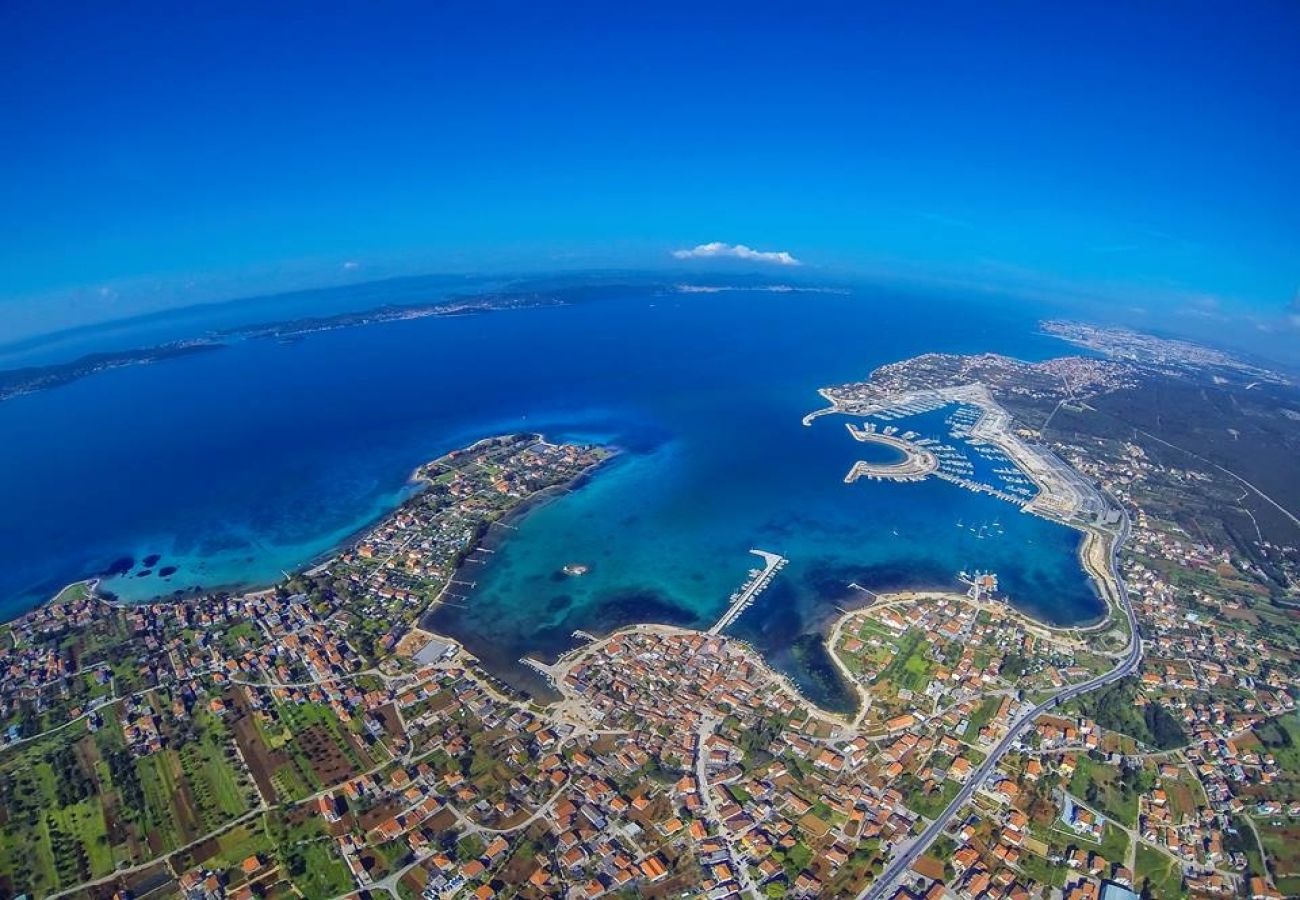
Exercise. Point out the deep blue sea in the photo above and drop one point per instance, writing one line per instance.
(232, 466)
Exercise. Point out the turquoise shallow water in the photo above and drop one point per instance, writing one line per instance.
(666, 534)
(232, 466)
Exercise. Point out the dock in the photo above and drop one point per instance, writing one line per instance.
(542, 669)
(760, 579)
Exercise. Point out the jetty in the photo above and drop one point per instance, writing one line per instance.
(917, 463)
(541, 668)
(758, 580)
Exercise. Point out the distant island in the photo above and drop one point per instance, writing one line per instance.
(526, 293)
(17, 382)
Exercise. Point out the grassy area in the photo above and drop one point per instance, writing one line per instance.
(1102, 788)
(981, 716)
(932, 803)
(84, 824)
(241, 842)
(1039, 869)
(323, 872)
(78, 590)
(310, 858)
(910, 668)
(54, 832)
(289, 785)
(227, 851)
(1161, 873)
(157, 776)
(216, 778)
(1281, 737)
(1114, 844)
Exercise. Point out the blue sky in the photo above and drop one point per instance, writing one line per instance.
(1138, 156)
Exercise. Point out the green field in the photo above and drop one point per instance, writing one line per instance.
(981, 716)
(1162, 873)
(1114, 843)
(215, 774)
(1101, 787)
(931, 804)
(54, 830)
(1281, 737)
(75, 591)
(310, 857)
(77, 805)
(160, 785)
(910, 668)
(1040, 870)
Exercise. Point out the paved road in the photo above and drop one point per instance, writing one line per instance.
(901, 863)
(707, 726)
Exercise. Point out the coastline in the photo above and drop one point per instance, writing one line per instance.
(490, 541)
(320, 562)
(1061, 498)
(1061, 495)
(1090, 552)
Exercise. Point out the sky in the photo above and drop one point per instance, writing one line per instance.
(1138, 157)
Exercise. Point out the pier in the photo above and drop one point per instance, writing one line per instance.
(541, 668)
(760, 579)
(980, 487)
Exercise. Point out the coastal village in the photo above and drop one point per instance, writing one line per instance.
(312, 741)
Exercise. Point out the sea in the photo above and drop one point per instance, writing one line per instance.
(233, 467)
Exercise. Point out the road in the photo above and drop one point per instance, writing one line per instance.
(1282, 509)
(707, 726)
(902, 862)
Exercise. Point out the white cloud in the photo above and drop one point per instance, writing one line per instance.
(737, 251)
(350, 265)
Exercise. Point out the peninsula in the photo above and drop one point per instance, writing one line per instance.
(312, 739)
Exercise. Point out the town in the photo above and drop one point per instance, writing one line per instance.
(312, 740)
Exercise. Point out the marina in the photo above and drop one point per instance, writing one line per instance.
(1027, 475)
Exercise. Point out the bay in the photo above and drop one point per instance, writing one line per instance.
(231, 467)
